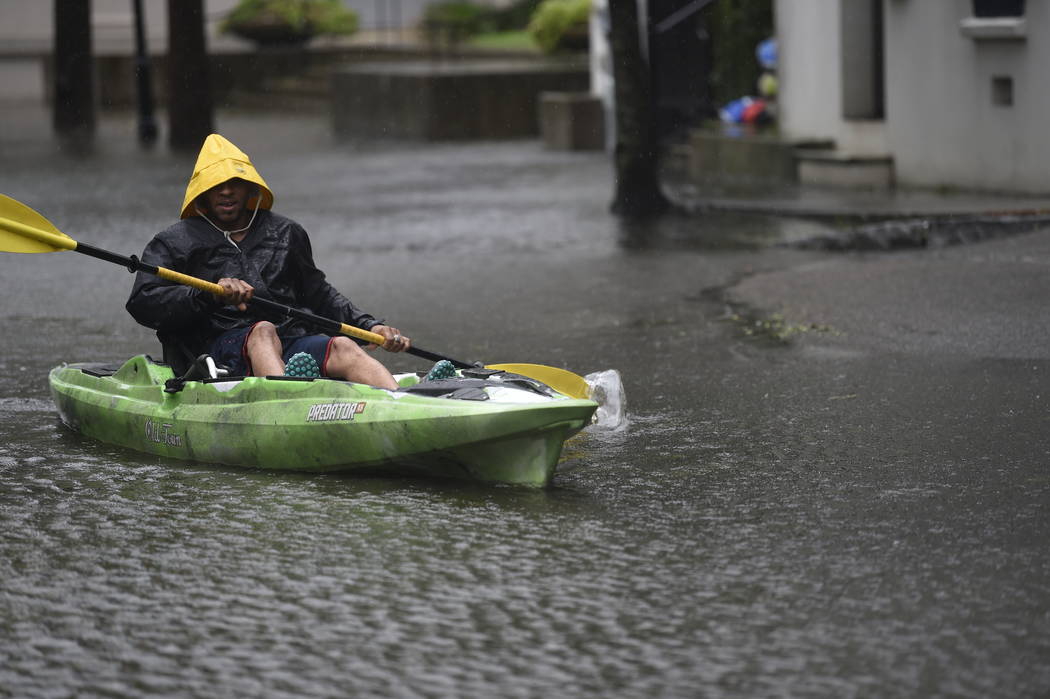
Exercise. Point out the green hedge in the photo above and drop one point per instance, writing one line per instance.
(561, 25)
(302, 16)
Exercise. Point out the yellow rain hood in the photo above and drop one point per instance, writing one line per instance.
(220, 160)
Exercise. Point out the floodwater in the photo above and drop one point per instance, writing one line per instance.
(772, 520)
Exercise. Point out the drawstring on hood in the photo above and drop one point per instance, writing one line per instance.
(226, 233)
(219, 161)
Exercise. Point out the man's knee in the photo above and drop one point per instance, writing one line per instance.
(350, 361)
(264, 327)
(263, 333)
(346, 348)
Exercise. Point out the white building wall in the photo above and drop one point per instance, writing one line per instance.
(943, 127)
(808, 68)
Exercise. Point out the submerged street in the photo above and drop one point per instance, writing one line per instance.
(833, 479)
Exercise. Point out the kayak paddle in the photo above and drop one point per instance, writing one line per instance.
(23, 230)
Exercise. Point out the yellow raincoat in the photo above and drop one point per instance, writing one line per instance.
(218, 161)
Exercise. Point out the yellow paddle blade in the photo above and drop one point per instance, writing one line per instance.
(24, 230)
(562, 381)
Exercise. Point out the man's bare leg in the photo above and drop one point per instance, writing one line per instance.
(347, 360)
(264, 350)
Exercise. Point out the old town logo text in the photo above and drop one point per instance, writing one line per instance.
(160, 432)
(329, 412)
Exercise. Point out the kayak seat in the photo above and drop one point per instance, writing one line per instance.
(204, 367)
(177, 356)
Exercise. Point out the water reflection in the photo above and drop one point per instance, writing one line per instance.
(716, 230)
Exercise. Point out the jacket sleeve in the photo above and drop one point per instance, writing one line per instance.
(317, 294)
(163, 305)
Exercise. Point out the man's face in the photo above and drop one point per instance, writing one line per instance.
(228, 202)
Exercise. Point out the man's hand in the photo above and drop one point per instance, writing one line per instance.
(395, 341)
(238, 292)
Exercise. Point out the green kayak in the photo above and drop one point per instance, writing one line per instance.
(483, 424)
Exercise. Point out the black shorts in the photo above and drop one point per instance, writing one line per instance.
(231, 350)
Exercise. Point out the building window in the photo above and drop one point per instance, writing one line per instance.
(998, 8)
(995, 20)
(1003, 91)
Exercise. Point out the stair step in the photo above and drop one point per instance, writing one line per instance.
(834, 168)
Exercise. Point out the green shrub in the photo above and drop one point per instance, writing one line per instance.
(298, 17)
(514, 16)
(559, 25)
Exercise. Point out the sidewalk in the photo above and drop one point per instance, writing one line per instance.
(986, 300)
(953, 274)
(957, 273)
(867, 219)
(860, 205)
(843, 204)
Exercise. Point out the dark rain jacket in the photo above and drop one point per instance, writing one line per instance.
(275, 258)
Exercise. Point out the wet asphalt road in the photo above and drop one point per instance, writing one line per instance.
(834, 480)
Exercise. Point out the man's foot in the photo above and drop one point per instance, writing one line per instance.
(303, 365)
(444, 369)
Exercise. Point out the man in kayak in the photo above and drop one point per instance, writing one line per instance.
(227, 234)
